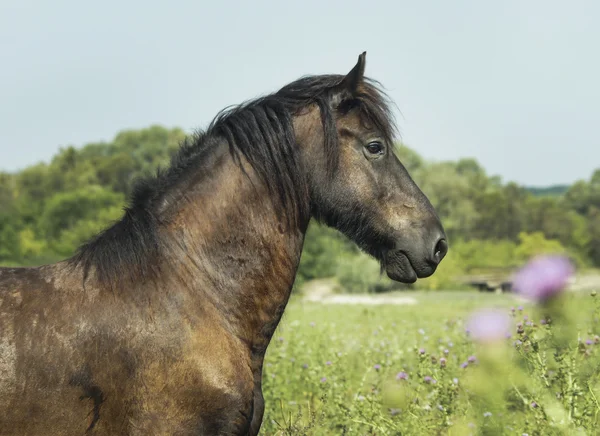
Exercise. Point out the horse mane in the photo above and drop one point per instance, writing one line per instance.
(260, 130)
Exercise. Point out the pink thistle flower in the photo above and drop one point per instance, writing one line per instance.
(489, 325)
(543, 277)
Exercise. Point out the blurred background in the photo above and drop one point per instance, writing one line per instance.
(497, 104)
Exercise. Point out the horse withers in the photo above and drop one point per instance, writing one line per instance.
(159, 325)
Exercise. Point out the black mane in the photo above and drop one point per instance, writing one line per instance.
(262, 132)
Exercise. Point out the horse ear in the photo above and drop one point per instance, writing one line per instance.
(356, 74)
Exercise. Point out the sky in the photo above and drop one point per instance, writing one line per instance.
(514, 84)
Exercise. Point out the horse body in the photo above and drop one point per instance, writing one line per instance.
(161, 323)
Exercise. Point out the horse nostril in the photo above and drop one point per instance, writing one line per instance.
(440, 250)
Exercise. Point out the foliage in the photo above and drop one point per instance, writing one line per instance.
(335, 370)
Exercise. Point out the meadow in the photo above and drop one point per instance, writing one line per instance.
(415, 370)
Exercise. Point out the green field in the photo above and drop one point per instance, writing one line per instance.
(332, 369)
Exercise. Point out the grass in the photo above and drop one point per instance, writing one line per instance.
(332, 370)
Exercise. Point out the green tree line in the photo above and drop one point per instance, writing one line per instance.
(47, 210)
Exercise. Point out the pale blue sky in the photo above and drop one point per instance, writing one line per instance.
(514, 84)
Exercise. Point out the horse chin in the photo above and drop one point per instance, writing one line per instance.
(399, 268)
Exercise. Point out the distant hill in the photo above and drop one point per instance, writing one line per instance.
(548, 191)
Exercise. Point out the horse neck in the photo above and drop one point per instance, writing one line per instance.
(227, 244)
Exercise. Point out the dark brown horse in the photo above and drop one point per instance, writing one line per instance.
(160, 324)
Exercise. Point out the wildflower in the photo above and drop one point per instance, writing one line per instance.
(360, 398)
(312, 324)
(377, 367)
(487, 414)
(455, 380)
(464, 364)
(543, 277)
(328, 363)
(446, 351)
(589, 342)
(596, 339)
(323, 380)
(422, 351)
(428, 379)
(534, 404)
(520, 328)
(528, 323)
(402, 376)
(304, 365)
(488, 325)
(450, 344)
(421, 331)
(543, 321)
(440, 407)
(518, 342)
(472, 359)
(394, 412)
(443, 362)
(280, 339)
(520, 308)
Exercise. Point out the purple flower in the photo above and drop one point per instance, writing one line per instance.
(402, 376)
(543, 277)
(422, 351)
(589, 342)
(323, 380)
(464, 364)
(305, 365)
(534, 404)
(520, 308)
(443, 362)
(377, 367)
(472, 359)
(488, 325)
(446, 351)
(543, 321)
(328, 363)
(428, 379)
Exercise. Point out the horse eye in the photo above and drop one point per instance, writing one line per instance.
(375, 147)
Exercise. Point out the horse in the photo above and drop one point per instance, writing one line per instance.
(159, 324)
